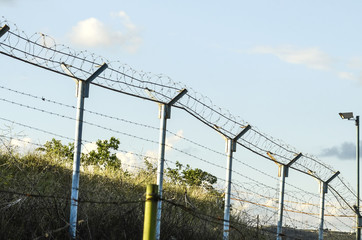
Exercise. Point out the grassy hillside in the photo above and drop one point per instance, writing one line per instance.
(35, 199)
(35, 202)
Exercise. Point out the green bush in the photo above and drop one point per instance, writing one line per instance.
(190, 177)
(103, 155)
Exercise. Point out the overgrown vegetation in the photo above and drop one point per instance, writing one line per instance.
(35, 197)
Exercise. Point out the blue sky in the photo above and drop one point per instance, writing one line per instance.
(287, 67)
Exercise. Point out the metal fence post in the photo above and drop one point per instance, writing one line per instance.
(282, 173)
(323, 189)
(82, 91)
(230, 148)
(160, 164)
(164, 114)
(229, 151)
(283, 170)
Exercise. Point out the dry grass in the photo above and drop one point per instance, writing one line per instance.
(104, 210)
(35, 193)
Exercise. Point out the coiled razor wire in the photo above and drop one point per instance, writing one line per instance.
(42, 51)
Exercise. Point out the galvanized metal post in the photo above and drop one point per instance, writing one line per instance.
(164, 114)
(160, 164)
(283, 169)
(82, 92)
(230, 148)
(76, 162)
(323, 189)
(282, 173)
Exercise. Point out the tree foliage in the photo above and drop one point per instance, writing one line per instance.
(190, 177)
(55, 149)
(103, 156)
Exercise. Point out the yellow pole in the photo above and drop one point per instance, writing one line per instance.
(149, 228)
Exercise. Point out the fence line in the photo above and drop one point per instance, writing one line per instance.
(138, 124)
(147, 126)
(42, 51)
(196, 213)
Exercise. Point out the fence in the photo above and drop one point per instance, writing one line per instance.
(252, 185)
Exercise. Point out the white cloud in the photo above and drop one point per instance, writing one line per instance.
(153, 155)
(172, 140)
(88, 147)
(129, 161)
(21, 143)
(314, 58)
(126, 20)
(310, 57)
(355, 63)
(346, 75)
(92, 32)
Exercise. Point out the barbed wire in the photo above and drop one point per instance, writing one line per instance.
(234, 224)
(117, 202)
(72, 118)
(123, 120)
(256, 190)
(74, 107)
(142, 156)
(256, 182)
(41, 50)
(257, 193)
(37, 129)
(138, 124)
(295, 211)
(21, 140)
(80, 200)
